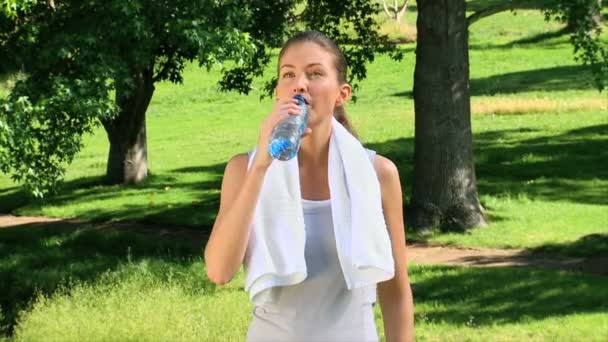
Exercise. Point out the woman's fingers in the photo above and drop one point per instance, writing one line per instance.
(291, 108)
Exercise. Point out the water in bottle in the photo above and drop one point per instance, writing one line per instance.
(286, 137)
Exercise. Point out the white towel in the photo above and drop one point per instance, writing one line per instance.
(275, 253)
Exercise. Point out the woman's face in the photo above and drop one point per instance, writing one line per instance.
(308, 69)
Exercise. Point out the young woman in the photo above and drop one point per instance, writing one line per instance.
(321, 306)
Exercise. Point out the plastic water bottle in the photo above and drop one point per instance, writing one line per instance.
(286, 136)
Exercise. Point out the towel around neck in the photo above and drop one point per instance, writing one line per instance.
(275, 251)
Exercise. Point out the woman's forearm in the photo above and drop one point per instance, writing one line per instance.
(398, 315)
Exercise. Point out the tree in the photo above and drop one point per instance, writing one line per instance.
(395, 11)
(76, 54)
(97, 62)
(444, 185)
(445, 191)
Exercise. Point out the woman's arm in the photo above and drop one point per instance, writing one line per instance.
(241, 188)
(395, 295)
(226, 247)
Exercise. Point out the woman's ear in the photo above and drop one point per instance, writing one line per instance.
(344, 94)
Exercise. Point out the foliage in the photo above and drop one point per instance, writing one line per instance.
(11, 7)
(584, 24)
(81, 60)
(582, 18)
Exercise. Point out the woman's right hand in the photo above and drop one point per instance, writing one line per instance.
(281, 110)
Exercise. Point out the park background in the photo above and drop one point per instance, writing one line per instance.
(125, 263)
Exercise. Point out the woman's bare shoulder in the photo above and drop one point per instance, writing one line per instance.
(240, 159)
(385, 169)
(237, 165)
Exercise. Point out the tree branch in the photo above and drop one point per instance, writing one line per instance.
(386, 9)
(403, 9)
(486, 12)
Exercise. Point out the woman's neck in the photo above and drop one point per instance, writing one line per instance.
(315, 147)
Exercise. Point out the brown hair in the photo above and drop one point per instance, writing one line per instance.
(339, 62)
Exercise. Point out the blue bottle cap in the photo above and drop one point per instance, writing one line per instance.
(301, 99)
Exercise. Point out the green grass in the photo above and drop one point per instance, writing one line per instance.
(74, 281)
(541, 188)
(541, 140)
(542, 160)
(44, 257)
(155, 292)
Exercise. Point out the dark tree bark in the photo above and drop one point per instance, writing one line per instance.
(128, 157)
(445, 188)
(581, 13)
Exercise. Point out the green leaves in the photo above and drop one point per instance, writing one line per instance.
(81, 58)
(583, 18)
(80, 54)
(12, 7)
(42, 134)
(350, 23)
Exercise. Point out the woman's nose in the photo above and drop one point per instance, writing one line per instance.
(300, 85)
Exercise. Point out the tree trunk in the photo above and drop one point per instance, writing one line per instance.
(590, 16)
(128, 156)
(445, 189)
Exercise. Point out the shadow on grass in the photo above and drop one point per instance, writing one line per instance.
(562, 167)
(592, 244)
(479, 5)
(566, 257)
(199, 213)
(547, 79)
(40, 258)
(217, 169)
(537, 38)
(556, 39)
(11, 199)
(555, 168)
(495, 296)
(572, 77)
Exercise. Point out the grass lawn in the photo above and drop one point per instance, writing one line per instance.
(79, 282)
(541, 140)
(540, 134)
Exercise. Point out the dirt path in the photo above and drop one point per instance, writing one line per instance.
(417, 252)
(489, 257)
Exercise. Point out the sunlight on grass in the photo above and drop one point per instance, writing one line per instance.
(512, 105)
(403, 32)
(548, 152)
(540, 137)
(532, 224)
(136, 303)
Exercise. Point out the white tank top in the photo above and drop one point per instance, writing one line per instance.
(320, 308)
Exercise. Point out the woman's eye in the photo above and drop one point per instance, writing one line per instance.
(288, 75)
(317, 73)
